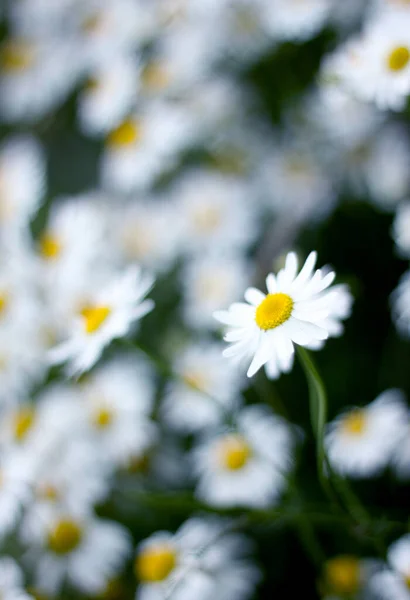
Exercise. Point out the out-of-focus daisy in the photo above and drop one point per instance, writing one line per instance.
(108, 311)
(344, 576)
(144, 145)
(204, 391)
(117, 400)
(393, 582)
(298, 309)
(376, 66)
(246, 466)
(108, 95)
(401, 455)
(210, 282)
(216, 211)
(11, 580)
(148, 232)
(202, 560)
(361, 441)
(401, 229)
(295, 20)
(85, 551)
(22, 172)
(17, 472)
(401, 305)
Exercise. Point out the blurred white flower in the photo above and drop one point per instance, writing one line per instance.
(247, 466)
(393, 581)
(205, 389)
(210, 282)
(298, 309)
(110, 307)
(87, 552)
(202, 560)
(16, 474)
(400, 301)
(401, 229)
(12, 580)
(294, 20)
(361, 441)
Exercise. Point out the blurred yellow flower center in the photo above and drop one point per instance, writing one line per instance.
(207, 218)
(155, 77)
(94, 317)
(398, 58)
(93, 22)
(343, 575)
(103, 418)
(48, 492)
(23, 422)
(195, 380)
(50, 247)
(234, 452)
(65, 537)
(407, 580)
(155, 563)
(16, 56)
(126, 134)
(139, 240)
(354, 423)
(3, 302)
(274, 310)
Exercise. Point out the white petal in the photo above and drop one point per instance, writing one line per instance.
(271, 283)
(263, 354)
(303, 332)
(254, 296)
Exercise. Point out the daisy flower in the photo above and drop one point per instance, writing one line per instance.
(86, 552)
(401, 229)
(108, 313)
(245, 466)
(11, 581)
(298, 309)
(361, 441)
(204, 391)
(17, 472)
(295, 20)
(393, 582)
(401, 455)
(344, 576)
(401, 305)
(203, 559)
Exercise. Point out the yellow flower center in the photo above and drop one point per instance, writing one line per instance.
(398, 58)
(49, 246)
(234, 452)
(48, 492)
(16, 56)
(65, 537)
(93, 23)
(23, 422)
(3, 302)
(155, 563)
(126, 134)
(354, 423)
(195, 380)
(103, 418)
(94, 317)
(155, 77)
(343, 575)
(274, 310)
(207, 218)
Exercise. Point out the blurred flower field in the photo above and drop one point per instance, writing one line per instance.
(204, 299)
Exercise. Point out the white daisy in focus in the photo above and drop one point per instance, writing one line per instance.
(216, 211)
(108, 95)
(376, 66)
(246, 466)
(202, 560)
(393, 582)
(116, 400)
(12, 580)
(401, 229)
(361, 441)
(22, 175)
(203, 391)
(107, 312)
(86, 552)
(209, 282)
(298, 309)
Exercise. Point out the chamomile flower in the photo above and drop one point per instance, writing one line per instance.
(85, 551)
(12, 581)
(401, 229)
(361, 441)
(401, 455)
(117, 399)
(203, 559)
(393, 582)
(17, 472)
(210, 282)
(204, 391)
(401, 305)
(246, 466)
(108, 311)
(345, 576)
(298, 309)
(294, 20)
